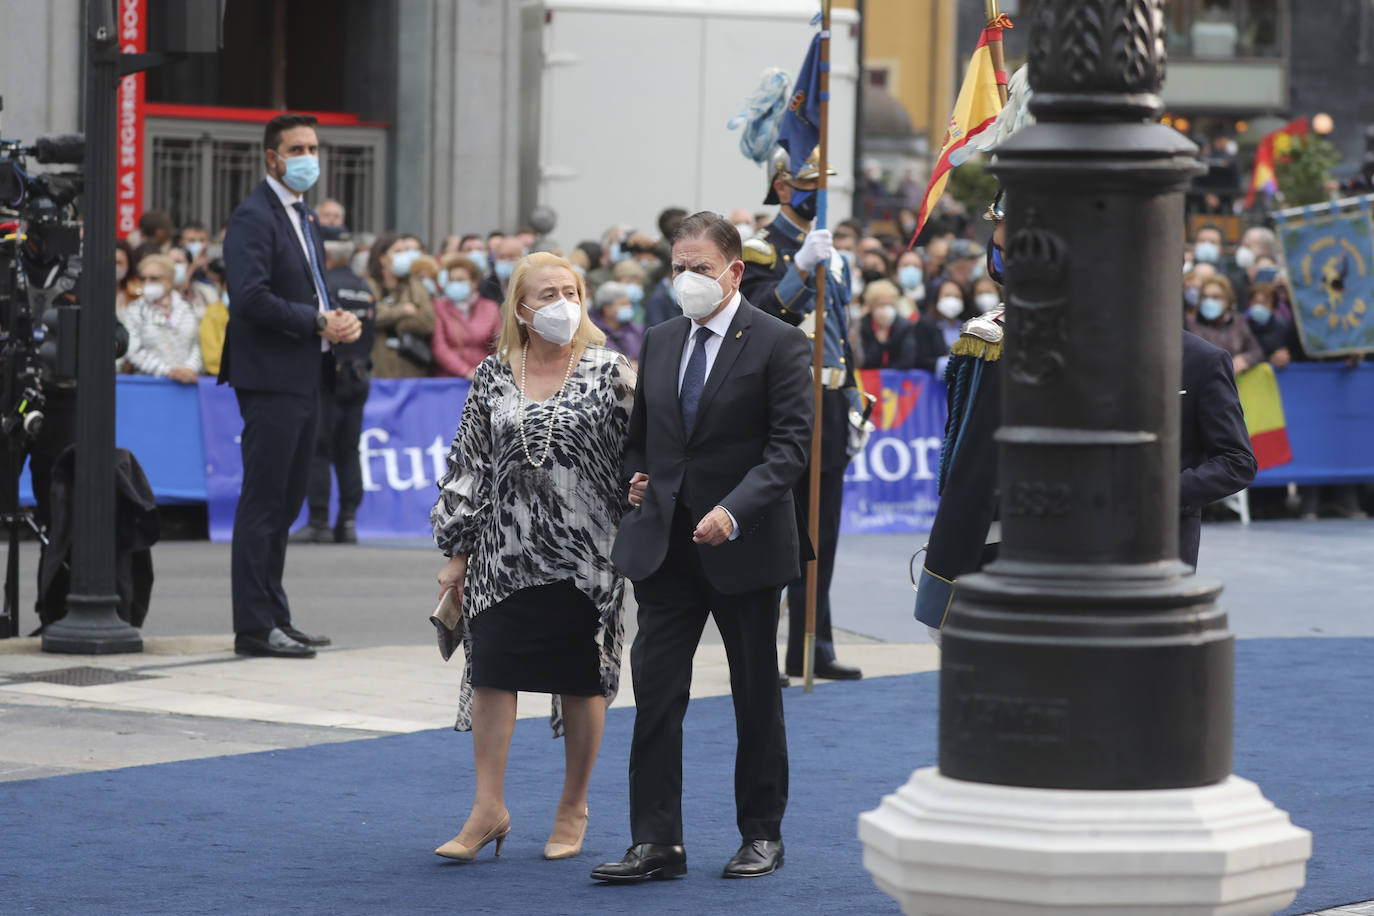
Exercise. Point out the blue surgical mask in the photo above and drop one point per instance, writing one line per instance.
(402, 261)
(1259, 313)
(479, 258)
(636, 293)
(1211, 309)
(980, 270)
(625, 314)
(909, 276)
(179, 275)
(458, 290)
(618, 254)
(301, 172)
(1208, 252)
(504, 269)
(194, 249)
(1192, 296)
(430, 286)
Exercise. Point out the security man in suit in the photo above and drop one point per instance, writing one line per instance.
(718, 438)
(779, 277)
(341, 408)
(276, 356)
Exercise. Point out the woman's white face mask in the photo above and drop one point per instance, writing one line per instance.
(556, 322)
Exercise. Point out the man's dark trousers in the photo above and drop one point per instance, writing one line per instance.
(340, 427)
(277, 444)
(673, 604)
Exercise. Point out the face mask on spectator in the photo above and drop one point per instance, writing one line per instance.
(980, 270)
(556, 322)
(1211, 309)
(359, 263)
(950, 306)
(1244, 257)
(986, 302)
(909, 276)
(1192, 296)
(1208, 252)
(873, 273)
(1260, 313)
(636, 293)
(885, 315)
(121, 273)
(625, 314)
(745, 230)
(856, 312)
(1266, 274)
(618, 254)
(401, 261)
(301, 172)
(504, 269)
(430, 286)
(458, 290)
(178, 275)
(195, 248)
(153, 292)
(479, 258)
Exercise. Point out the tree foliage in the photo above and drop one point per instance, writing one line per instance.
(1304, 174)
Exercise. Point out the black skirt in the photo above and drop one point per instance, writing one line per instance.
(542, 639)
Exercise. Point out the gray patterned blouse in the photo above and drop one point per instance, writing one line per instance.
(522, 526)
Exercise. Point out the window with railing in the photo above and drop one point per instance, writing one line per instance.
(1225, 29)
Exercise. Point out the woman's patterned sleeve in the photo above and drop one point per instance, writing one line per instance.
(623, 380)
(464, 502)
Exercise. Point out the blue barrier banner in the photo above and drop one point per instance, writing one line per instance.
(407, 427)
(1330, 257)
(1329, 411)
(890, 487)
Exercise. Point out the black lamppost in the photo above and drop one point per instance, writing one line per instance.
(92, 626)
(1088, 657)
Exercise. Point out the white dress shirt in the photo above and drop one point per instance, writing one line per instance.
(288, 199)
(717, 326)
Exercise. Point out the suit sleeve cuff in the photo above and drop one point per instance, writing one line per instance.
(734, 525)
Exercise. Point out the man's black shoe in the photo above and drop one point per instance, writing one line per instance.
(345, 531)
(274, 644)
(311, 533)
(830, 671)
(643, 861)
(754, 859)
(305, 639)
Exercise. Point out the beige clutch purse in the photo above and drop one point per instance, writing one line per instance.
(448, 623)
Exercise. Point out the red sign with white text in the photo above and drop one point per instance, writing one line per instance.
(133, 39)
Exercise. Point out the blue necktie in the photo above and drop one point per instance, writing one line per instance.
(308, 231)
(693, 380)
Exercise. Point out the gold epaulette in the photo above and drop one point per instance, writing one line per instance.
(757, 251)
(981, 337)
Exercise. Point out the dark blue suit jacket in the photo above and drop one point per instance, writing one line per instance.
(1215, 459)
(271, 343)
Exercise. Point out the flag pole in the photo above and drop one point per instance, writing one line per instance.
(999, 62)
(817, 369)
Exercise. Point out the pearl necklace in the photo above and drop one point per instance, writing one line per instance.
(557, 401)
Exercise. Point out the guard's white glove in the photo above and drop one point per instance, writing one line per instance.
(815, 248)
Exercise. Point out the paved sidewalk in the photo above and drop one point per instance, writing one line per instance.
(189, 697)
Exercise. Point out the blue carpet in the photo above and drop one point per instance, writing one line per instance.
(348, 828)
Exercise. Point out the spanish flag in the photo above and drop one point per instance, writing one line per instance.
(1259, 398)
(1273, 148)
(977, 107)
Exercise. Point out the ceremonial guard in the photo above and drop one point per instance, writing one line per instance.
(779, 277)
(341, 405)
(967, 485)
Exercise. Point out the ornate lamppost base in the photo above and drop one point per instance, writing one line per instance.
(91, 627)
(945, 847)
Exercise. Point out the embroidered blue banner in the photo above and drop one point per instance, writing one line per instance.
(1329, 251)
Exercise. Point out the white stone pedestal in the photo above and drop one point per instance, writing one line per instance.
(944, 847)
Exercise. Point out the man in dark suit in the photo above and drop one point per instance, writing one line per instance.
(718, 438)
(1215, 459)
(276, 355)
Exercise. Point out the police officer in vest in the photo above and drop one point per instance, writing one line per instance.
(341, 409)
(779, 277)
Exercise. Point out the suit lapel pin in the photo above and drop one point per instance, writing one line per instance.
(738, 335)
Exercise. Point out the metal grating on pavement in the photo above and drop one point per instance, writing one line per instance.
(82, 676)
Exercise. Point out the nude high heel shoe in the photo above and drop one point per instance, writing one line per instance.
(455, 850)
(554, 850)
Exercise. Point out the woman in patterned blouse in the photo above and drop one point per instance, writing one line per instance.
(527, 514)
(164, 332)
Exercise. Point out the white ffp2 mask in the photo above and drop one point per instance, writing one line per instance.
(698, 295)
(557, 322)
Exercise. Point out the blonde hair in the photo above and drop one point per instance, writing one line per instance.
(514, 333)
(159, 260)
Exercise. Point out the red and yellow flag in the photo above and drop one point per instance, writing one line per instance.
(1259, 398)
(1273, 148)
(977, 107)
